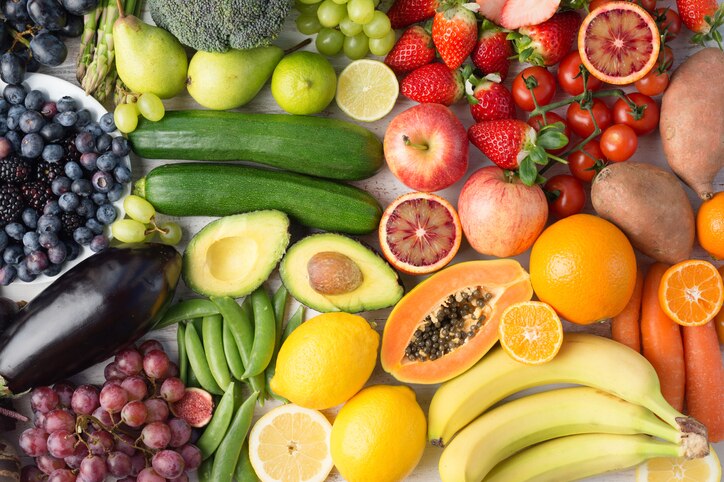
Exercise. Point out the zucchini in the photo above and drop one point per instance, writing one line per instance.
(317, 146)
(201, 189)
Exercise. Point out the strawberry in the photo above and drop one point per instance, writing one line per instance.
(702, 17)
(521, 13)
(491, 9)
(490, 100)
(433, 83)
(455, 31)
(414, 49)
(491, 53)
(404, 13)
(548, 42)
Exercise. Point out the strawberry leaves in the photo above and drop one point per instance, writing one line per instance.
(550, 137)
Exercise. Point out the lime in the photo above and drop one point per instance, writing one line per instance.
(367, 90)
(304, 83)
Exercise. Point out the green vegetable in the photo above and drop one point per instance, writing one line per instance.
(227, 455)
(193, 381)
(187, 310)
(318, 146)
(279, 302)
(293, 323)
(244, 471)
(264, 333)
(231, 352)
(214, 348)
(219, 424)
(183, 361)
(217, 25)
(204, 472)
(197, 360)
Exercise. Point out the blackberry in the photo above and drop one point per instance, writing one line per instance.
(14, 169)
(47, 171)
(71, 152)
(70, 222)
(11, 203)
(37, 194)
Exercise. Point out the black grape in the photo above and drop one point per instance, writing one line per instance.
(12, 69)
(48, 13)
(16, 12)
(48, 49)
(73, 28)
(80, 7)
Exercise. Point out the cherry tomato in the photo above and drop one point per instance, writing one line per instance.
(647, 4)
(666, 58)
(568, 69)
(544, 92)
(582, 163)
(536, 122)
(653, 83)
(571, 197)
(650, 116)
(668, 18)
(580, 119)
(619, 142)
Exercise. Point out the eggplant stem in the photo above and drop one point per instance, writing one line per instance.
(6, 412)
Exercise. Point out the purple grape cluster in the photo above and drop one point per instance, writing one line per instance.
(123, 430)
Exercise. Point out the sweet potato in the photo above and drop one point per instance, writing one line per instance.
(692, 124)
(649, 205)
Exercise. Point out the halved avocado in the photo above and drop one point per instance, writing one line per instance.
(331, 272)
(234, 255)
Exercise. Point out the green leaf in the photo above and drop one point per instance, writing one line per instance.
(527, 171)
(538, 156)
(552, 139)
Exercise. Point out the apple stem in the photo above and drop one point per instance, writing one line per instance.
(408, 142)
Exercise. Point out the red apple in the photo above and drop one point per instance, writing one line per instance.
(500, 215)
(426, 147)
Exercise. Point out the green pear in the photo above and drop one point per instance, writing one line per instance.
(148, 58)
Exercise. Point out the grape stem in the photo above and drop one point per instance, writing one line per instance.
(6, 412)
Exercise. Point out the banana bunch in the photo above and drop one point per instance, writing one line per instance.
(608, 423)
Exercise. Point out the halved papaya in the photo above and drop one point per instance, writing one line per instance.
(449, 321)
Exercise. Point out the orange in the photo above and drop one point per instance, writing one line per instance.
(619, 42)
(691, 292)
(710, 226)
(719, 319)
(530, 332)
(584, 267)
(706, 469)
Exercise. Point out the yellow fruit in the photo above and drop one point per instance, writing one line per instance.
(584, 267)
(707, 469)
(326, 360)
(379, 435)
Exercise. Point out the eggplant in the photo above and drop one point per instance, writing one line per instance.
(98, 307)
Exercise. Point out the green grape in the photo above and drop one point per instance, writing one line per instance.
(356, 47)
(341, 2)
(308, 23)
(126, 117)
(378, 26)
(151, 236)
(128, 231)
(329, 41)
(151, 107)
(308, 8)
(330, 13)
(382, 46)
(349, 28)
(308, 2)
(361, 11)
(138, 208)
(376, 2)
(170, 233)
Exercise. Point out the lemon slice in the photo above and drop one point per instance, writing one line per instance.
(291, 444)
(706, 469)
(367, 90)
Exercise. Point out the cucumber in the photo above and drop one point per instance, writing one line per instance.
(317, 146)
(207, 189)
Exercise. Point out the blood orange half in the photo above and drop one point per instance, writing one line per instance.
(619, 42)
(420, 233)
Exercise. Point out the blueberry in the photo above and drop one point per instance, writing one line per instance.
(120, 146)
(16, 111)
(106, 214)
(4, 239)
(52, 152)
(107, 123)
(4, 106)
(24, 273)
(50, 240)
(8, 274)
(83, 236)
(93, 128)
(27, 250)
(15, 139)
(82, 187)
(31, 121)
(3, 125)
(52, 207)
(37, 262)
(73, 170)
(69, 201)
(122, 174)
(85, 142)
(57, 253)
(99, 243)
(30, 218)
(53, 270)
(66, 104)
(13, 254)
(52, 132)
(102, 181)
(15, 230)
(107, 162)
(86, 209)
(99, 198)
(88, 161)
(60, 185)
(84, 118)
(34, 100)
(73, 250)
(31, 240)
(103, 143)
(116, 192)
(94, 226)
(32, 145)
(48, 223)
(66, 119)
(15, 94)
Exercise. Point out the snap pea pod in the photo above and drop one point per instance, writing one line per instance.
(204, 473)
(193, 381)
(183, 362)
(244, 471)
(187, 310)
(227, 455)
(219, 424)
(264, 333)
(212, 340)
(231, 352)
(279, 302)
(292, 324)
(197, 360)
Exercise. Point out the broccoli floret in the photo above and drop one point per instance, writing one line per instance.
(217, 25)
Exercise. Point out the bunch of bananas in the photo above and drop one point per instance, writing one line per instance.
(608, 423)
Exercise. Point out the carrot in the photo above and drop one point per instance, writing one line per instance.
(661, 340)
(625, 327)
(719, 319)
(704, 378)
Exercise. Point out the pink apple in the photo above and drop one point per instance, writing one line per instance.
(426, 147)
(499, 214)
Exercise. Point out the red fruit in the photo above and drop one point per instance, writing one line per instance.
(581, 122)
(414, 49)
(505, 142)
(520, 13)
(693, 13)
(491, 101)
(196, 407)
(543, 91)
(454, 32)
(433, 84)
(643, 119)
(491, 53)
(667, 19)
(547, 43)
(567, 193)
(491, 9)
(569, 77)
(404, 13)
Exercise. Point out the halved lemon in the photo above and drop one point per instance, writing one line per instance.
(367, 90)
(530, 332)
(291, 444)
(619, 42)
(706, 469)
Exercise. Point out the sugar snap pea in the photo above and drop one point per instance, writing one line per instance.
(292, 325)
(227, 455)
(231, 352)
(219, 424)
(212, 340)
(264, 333)
(187, 310)
(204, 472)
(197, 360)
(183, 361)
(279, 302)
(193, 381)
(244, 471)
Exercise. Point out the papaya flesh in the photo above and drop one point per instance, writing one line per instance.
(448, 322)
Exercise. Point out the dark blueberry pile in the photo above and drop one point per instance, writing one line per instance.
(59, 173)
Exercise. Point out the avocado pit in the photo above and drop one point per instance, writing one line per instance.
(332, 273)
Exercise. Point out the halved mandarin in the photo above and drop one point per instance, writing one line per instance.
(691, 292)
(530, 332)
(706, 469)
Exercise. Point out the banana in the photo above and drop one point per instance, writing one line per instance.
(578, 456)
(583, 359)
(518, 424)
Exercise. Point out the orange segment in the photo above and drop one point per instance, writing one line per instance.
(530, 332)
(691, 292)
(706, 469)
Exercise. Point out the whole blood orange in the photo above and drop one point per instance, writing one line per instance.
(619, 42)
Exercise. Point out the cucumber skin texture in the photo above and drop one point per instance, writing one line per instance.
(317, 146)
(200, 189)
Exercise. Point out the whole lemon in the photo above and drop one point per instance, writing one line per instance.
(326, 360)
(379, 435)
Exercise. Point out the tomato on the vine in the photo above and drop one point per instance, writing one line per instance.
(666, 18)
(597, 3)
(536, 122)
(580, 119)
(647, 4)
(544, 91)
(649, 111)
(653, 83)
(569, 78)
(567, 193)
(582, 164)
(666, 58)
(619, 142)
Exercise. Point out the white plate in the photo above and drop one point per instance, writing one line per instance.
(54, 88)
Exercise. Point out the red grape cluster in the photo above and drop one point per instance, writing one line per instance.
(124, 430)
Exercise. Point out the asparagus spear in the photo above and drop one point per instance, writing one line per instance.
(87, 41)
(100, 65)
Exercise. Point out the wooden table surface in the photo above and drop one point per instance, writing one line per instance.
(385, 188)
